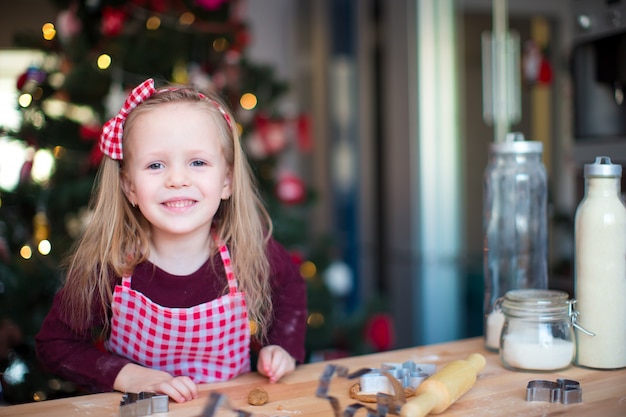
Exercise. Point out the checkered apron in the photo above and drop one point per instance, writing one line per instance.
(209, 342)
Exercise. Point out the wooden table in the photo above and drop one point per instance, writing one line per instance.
(497, 392)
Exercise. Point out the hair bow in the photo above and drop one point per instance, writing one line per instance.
(113, 130)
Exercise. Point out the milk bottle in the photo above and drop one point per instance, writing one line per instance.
(600, 283)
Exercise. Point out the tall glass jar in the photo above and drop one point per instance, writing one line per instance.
(515, 212)
(600, 282)
(538, 333)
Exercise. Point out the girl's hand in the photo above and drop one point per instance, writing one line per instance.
(136, 378)
(275, 362)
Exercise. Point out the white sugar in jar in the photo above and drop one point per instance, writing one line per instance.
(537, 334)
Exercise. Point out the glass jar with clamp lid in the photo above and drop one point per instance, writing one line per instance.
(537, 334)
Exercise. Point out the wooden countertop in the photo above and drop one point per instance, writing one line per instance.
(497, 392)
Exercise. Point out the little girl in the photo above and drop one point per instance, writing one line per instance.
(177, 269)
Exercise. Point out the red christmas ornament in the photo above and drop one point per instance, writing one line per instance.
(305, 139)
(89, 132)
(21, 80)
(379, 331)
(272, 134)
(296, 257)
(545, 72)
(242, 39)
(290, 189)
(535, 66)
(112, 21)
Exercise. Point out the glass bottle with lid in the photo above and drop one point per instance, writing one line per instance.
(538, 333)
(515, 212)
(600, 277)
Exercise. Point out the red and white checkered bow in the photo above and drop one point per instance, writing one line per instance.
(112, 131)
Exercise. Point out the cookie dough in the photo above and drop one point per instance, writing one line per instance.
(258, 396)
(357, 394)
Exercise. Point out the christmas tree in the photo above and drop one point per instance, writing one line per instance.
(94, 52)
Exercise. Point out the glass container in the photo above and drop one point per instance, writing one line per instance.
(537, 334)
(514, 226)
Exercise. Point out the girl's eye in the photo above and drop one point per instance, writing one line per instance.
(155, 165)
(198, 163)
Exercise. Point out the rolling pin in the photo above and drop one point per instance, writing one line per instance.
(443, 388)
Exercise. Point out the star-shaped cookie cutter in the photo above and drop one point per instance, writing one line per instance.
(385, 403)
(409, 374)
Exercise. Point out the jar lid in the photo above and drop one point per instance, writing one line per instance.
(603, 167)
(542, 304)
(514, 142)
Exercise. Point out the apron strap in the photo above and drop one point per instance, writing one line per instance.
(126, 281)
(230, 275)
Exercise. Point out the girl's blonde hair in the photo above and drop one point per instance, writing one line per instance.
(117, 237)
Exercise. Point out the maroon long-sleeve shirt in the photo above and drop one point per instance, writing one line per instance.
(76, 357)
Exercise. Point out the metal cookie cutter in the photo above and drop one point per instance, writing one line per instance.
(565, 391)
(143, 404)
(409, 374)
(385, 403)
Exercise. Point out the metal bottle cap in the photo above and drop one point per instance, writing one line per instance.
(603, 168)
(514, 142)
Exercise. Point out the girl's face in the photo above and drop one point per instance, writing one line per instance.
(174, 169)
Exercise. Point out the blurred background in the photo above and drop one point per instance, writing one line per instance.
(365, 126)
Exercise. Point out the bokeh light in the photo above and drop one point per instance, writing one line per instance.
(308, 269)
(220, 44)
(26, 252)
(104, 61)
(248, 101)
(153, 23)
(13, 154)
(186, 18)
(315, 320)
(25, 99)
(48, 31)
(44, 247)
(43, 166)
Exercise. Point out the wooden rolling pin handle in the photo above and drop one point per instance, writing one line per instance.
(443, 388)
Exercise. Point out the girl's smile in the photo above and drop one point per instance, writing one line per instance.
(178, 204)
